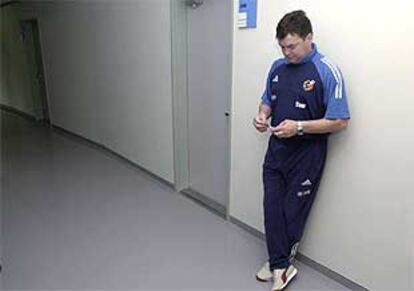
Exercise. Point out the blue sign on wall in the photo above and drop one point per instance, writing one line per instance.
(247, 14)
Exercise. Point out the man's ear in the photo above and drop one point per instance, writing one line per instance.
(309, 37)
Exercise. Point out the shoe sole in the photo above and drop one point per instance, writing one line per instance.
(292, 275)
(262, 280)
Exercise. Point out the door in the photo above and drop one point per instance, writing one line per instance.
(209, 50)
(33, 54)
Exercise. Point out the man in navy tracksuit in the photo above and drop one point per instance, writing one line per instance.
(306, 100)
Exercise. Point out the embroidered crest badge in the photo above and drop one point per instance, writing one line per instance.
(308, 85)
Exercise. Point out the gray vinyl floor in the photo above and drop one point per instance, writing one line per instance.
(77, 217)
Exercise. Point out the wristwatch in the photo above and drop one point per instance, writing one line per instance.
(299, 128)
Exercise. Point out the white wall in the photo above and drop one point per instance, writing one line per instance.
(362, 224)
(108, 73)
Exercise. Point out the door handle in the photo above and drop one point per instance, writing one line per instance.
(194, 3)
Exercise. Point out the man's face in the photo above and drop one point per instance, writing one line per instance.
(295, 48)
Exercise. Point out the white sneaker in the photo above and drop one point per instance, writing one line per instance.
(264, 273)
(282, 277)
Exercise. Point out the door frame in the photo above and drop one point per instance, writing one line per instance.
(180, 96)
(35, 25)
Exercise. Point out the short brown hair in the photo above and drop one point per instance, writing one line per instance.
(295, 22)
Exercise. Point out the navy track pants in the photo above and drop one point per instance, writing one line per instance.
(291, 177)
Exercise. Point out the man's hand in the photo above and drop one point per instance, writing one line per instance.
(285, 129)
(260, 122)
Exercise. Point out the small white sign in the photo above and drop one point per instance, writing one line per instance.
(242, 20)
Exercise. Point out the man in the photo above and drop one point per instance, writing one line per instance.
(306, 100)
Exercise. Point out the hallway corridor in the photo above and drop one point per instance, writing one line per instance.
(78, 217)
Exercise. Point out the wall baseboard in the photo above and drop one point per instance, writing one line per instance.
(17, 112)
(23, 114)
(247, 228)
(306, 260)
(329, 273)
(7, 3)
(206, 202)
(90, 143)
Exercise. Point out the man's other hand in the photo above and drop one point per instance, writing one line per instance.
(260, 122)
